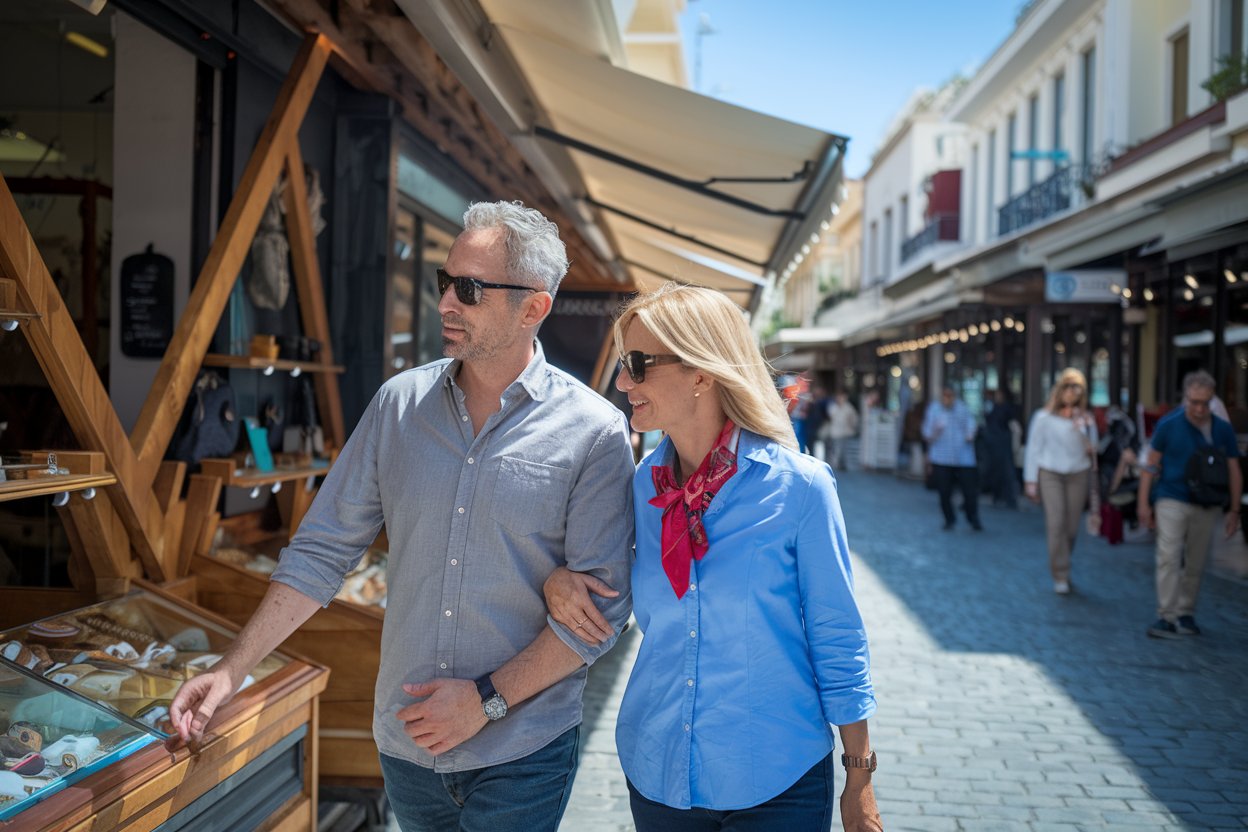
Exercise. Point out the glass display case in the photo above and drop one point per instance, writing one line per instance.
(53, 736)
(130, 654)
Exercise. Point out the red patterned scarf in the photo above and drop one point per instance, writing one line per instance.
(684, 537)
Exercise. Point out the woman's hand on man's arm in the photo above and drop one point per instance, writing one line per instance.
(569, 602)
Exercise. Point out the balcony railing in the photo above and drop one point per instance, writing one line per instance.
(942, 227)
(1042, 200)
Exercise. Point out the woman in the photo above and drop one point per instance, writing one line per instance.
(1059, 467)
(999, 435)
(753, 644)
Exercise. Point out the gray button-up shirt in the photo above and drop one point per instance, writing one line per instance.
(476, 524)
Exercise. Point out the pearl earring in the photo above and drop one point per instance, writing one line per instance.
(696, 394)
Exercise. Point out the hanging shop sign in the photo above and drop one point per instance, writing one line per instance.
(1084, 286)
(146, 304)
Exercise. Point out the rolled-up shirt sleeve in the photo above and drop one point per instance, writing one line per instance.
(599, 533)
(344, 518)
(835, 632)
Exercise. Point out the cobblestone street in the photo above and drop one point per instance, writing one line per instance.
(1002, 705)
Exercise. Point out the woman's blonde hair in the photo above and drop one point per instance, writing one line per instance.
(1069, 376)
(710, 335)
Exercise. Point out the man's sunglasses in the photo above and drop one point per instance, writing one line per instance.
(468, 289)
(636, 362)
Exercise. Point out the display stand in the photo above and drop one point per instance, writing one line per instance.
(133, 505)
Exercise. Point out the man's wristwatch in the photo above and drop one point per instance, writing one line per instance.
(492, 702)
(859, 762)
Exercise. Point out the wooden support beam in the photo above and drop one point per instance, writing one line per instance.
(168, 485)
(98, 530)
(201, 503)
(190, 342)
(72, 375)
(311, 292)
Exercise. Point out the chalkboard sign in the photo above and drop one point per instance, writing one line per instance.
(146, 304)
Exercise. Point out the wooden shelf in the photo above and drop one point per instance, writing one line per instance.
(247, 362)
(231, 475)
(14, 315)
(42, 486)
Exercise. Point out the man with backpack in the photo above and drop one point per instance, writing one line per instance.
(1192, 460)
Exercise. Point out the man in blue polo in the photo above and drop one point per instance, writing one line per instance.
(1188, 451)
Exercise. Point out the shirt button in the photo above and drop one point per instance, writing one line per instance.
(693, 587)
(463, 418)
(443, 665)
(471, 460)
(447, 613)
(689, 683)
(693, 634)
(686, 726)
(460, 509)
(454, 561)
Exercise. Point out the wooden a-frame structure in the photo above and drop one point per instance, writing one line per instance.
(143, 511)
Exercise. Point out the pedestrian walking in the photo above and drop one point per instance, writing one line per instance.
(488, 470)
(816, 420)
(842, 425)
(999, 426)
(1059, 470)
(1190, 476)
(742, 565)
(949, 428)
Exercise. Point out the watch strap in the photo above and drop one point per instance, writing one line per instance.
(485, 687)
(867, 762)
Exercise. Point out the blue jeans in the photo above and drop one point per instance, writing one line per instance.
(806, 806)
(528, 794)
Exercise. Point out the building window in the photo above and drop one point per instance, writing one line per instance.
(972, 233)
(887, 264)
(1011, 147)
(1059, 115)
(873, 253)
(992, 180)
(1178, 77)
(1232, 28)
(1033, 137)
(903, 219)
(1087, 110)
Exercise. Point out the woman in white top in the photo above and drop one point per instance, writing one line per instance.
(1061, 451)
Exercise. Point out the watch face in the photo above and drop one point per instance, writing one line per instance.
(495, 707)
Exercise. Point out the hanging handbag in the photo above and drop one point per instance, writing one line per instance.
(210, 425)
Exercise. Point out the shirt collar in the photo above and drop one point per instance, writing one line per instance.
(750, 447)
(534, 378)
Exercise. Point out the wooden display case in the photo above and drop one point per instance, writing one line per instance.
(255, 769)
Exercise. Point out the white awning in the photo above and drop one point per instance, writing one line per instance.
(679, 185)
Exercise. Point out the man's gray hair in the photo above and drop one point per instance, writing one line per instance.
(535, 254)
(1198, 378)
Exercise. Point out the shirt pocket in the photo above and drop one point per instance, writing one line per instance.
(530, 497)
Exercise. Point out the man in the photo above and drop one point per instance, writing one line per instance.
(842, 426)
(488, 471)
(1188, 451)
(949, 429)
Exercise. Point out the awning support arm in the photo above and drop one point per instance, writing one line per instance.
(589, 200)
(673, 279)
(699, 188)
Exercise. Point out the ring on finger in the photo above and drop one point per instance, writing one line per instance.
(581, 623)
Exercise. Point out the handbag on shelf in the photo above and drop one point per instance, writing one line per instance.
(210, 425)
(303, 435)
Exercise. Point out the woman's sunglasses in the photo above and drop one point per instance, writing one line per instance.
(636, 362)
(468, 289)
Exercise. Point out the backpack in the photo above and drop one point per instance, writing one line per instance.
(1207, 478)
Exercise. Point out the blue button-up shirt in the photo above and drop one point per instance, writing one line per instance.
(736, 685)
(476, 524)
(950, 432)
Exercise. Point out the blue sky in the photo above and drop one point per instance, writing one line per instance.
(845, 66)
